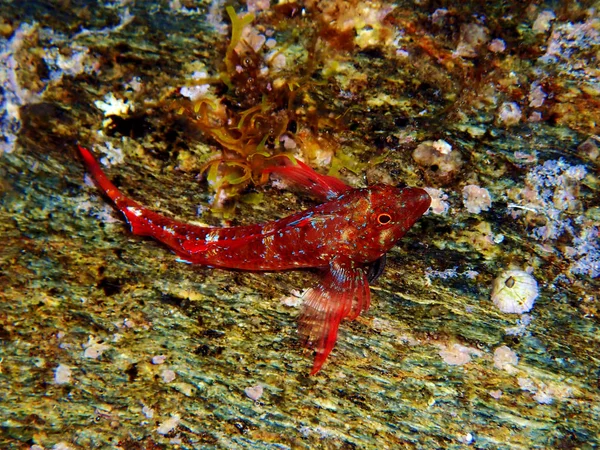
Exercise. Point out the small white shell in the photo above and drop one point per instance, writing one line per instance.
(254, 392)
(514, 291)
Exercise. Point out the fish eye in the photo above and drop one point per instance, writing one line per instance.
(384, 218)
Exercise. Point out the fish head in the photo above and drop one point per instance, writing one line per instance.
(382, 215)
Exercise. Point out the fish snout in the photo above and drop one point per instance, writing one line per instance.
(418, 200)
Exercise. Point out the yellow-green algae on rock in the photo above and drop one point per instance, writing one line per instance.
(109, 342)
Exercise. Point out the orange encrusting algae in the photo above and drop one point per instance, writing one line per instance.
(346, 237)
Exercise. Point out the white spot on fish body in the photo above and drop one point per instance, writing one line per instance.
(136, 211)
(213, 236)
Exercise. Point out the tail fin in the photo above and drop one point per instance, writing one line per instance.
(99, 176)
(143, 221)
(193, 243)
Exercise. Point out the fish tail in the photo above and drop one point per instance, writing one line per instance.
(145, 222)
(134, 213)
(193, 243)
(99, 176)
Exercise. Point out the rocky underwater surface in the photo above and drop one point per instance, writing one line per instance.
(483, 330)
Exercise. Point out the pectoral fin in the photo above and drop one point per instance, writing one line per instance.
(342, 293)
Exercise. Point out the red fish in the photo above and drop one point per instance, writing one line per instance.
(346, 237)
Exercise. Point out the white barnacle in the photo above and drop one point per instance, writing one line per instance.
(514, 291)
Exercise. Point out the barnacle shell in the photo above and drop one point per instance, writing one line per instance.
(440, 162)
(514, 291)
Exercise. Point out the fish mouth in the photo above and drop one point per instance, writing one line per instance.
(419, 201)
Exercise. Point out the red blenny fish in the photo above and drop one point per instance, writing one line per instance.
(346, 237)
